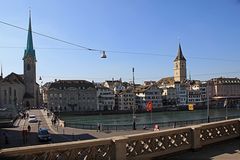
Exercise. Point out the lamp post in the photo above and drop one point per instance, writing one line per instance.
(41, 91)
(134, 116)
(207, 93)
(59, 111)
(226, 108)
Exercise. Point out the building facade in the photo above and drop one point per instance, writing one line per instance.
(105, 99)
(147, 93)
(181, 93)
(126, 100)
(224, 87)
(71, 96)
(12, 91)
(169, 96)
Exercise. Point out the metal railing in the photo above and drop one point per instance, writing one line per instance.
(120, 127)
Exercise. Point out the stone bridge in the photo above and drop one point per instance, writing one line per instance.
(138, 146)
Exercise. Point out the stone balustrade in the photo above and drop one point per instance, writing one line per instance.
(138, 146)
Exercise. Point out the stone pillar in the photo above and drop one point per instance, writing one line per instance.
(196, 141)
(120, 147)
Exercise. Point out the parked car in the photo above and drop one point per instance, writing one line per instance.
(32, 119)
(43, 135)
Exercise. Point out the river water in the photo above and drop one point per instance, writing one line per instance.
(142, 118)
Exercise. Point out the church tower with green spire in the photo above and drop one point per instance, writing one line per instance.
(29, 62)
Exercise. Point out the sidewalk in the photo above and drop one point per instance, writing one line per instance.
(83, 133)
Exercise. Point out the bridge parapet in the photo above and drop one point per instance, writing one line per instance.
(87, 150)
(219, 131)
(138, 146)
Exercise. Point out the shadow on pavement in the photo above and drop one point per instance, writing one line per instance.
(15, 138)
(225, 150)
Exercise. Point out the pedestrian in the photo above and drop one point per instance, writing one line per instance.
(174, 125)
(29, 128)
(5, 138)
(144, 127)
(156, 128)
(39, 123)
(98, 127)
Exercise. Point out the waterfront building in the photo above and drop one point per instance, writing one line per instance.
(194, 96)
(148, 93)
(105, 98)
(224, 87)
(180, 72)
(126, 99)
(195, 91)
(72, 95)
(203, 90)
(181, 93)
(169, 96)
(168, 90)
(21, 90)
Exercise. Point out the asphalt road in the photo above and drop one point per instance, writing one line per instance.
(16, 138)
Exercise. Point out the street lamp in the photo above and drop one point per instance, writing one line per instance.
(59, 111)
(226, 108)
(133, 108)
(207, 93)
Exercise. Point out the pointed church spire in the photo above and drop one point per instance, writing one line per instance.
(180, 54)
(29, 51)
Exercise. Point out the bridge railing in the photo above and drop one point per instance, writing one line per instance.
(89, 149)
(170, 124)
(215, 132)
(138, 146)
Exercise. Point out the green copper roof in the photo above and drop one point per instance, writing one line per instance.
(29, 51)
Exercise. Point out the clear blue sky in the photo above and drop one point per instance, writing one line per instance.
(209, 32)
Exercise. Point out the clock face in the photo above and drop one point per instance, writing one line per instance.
(29, 60)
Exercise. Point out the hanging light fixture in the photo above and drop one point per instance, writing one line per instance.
(103, 54)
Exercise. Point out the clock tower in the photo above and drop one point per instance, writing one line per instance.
(29, 64)
(180, 73)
